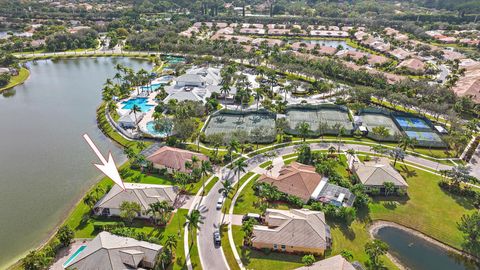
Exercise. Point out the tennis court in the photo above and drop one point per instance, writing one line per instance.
(424, 136)
(228, 123)
(411, 122)
(372, 120)
(335, 119)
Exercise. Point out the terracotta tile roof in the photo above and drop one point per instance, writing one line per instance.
(295, 179)
(174, 158)
(413, 64)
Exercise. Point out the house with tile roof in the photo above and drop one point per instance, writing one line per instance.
(111, 252)
(143, 194)
(414, 65)
(305, 183)
(173, 159)
(374, 173)
(333, 263)
(294, 230)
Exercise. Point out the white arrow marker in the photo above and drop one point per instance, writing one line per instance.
(107, 167)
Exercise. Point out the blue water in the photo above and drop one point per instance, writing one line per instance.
(151, 130)
(411, 122)
(418, 254)
(140, 102)
(79, 250)
(152, 87)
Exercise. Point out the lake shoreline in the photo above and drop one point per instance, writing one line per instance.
(379, 224)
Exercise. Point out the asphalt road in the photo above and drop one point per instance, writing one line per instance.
(212, 257)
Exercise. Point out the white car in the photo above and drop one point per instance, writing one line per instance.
(220, 202)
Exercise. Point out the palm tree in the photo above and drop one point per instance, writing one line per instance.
(322, 128)
(205, 169)
(135, 109)
(341, 132)
(232, 147)
(194, 219)
(303, 128)
(389, 188)
(239, 166)
(170, 243)
(225, 190)
(258, 95)
(225, 90)
(407, 142)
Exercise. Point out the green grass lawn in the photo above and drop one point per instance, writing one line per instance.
(211, 184)
(265, 164)
(436, 212)
(228, 200)
(22, 76)
(227, 250)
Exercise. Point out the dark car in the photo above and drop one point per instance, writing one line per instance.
(217, 239)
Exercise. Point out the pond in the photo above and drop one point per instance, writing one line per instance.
(416, 253)
(44, 162)
(326, 42)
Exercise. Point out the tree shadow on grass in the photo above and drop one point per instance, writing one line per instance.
(407, 172)
(344, 228)
(464, 201)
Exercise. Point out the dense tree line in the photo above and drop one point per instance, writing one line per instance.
(83, 39)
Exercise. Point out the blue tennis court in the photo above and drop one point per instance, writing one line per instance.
(411, 122)
(424, 136)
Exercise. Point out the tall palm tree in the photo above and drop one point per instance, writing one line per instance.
(258, 95)
(194, 219)
(205, 169)
(407, 142)
(239, 166)
(225, 90)
(341, 132)
(136, 109)
(303, 128)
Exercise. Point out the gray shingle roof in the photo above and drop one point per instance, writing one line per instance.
(377, 172)
(295, 227)
(112, 252)
(333, 263)
(143, 194)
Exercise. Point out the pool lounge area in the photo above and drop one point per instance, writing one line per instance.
(150, 129)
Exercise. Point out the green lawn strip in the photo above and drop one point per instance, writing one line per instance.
(211, 184)
(266, 164)
(176, 227)
(436, 213)
(247, 201)
(194, 256)
(289, 156)
(228, 200)
(255, 259)
(108, 130)
(353, 238)
(22, 76)
(232, 262)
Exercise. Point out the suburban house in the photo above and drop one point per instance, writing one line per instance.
(374, 173)
(143, 194)
(333, 263)
(111, 252)
(294, 230)
(303, 182)
(130, 120)
(413, 64)
(173, 159)
(197, 84)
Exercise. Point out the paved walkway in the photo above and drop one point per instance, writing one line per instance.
(65, 253)
(474, 163)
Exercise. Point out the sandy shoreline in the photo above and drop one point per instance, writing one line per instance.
(377, 225)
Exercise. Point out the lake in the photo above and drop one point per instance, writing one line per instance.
(416, 253)
(45, 163)
(326, 42)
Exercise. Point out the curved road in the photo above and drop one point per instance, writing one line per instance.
(212, 257)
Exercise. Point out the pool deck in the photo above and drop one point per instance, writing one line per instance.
(148, 115)
(65, 253)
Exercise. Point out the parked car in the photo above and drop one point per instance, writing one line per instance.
(220, 203)
(257, 217)
(217, 239)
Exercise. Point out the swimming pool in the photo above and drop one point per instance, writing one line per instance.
(140, 102)
(74, 255)
(152, 87)
(152, 131)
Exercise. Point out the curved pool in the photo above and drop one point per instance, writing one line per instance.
(152, 131)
